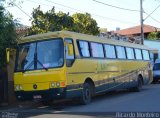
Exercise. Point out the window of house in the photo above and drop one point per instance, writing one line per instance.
(130, 53)
(120, 52)
(84, 48)
(110, 51)
(138, 54)
(97, 50)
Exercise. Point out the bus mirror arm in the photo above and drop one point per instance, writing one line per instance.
(78, 57)
(69, 62)
(7, 55)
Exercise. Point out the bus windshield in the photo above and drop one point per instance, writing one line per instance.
(40, 55)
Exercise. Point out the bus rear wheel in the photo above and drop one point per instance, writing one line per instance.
(86, 94)
(139, 85)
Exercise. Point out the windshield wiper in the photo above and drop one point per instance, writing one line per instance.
(42, 65)
(33, 63)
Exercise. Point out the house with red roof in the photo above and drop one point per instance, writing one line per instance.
(136, 31)
(22, 31)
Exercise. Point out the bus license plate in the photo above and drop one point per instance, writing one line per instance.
(37, 96)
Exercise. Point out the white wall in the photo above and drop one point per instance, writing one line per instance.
(153, 44)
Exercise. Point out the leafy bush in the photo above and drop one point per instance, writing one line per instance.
(7, 35)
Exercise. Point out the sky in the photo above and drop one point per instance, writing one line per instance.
(106, 16)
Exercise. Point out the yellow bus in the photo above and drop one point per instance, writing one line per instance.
(64, 64)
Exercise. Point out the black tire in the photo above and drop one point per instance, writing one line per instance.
(139, 85)
(86, 94)
(155, 81)
(47, 103)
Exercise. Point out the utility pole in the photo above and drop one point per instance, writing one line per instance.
(141, 20)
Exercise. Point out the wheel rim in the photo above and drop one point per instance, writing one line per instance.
(87, 94)
(139, 83)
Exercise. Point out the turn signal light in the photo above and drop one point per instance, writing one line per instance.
(63, 84)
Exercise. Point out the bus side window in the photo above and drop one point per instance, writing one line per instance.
(110, 51)
(145, 54)
(130, 53)
(69, 52)
(120, 52)
(138, 54)
(84, 48)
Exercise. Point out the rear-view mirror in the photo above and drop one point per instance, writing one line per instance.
(7, 55)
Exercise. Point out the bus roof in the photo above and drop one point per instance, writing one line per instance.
(80, 36)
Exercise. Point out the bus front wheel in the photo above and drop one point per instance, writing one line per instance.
(86, 94)
(47, 103)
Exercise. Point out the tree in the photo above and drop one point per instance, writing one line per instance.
(7, 34)
(158, 35)
(83, 23)
(52, 21)
(65, 22)
(154, 36)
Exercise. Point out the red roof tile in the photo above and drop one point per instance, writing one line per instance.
(137, 30)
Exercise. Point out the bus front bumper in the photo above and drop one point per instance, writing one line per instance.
(51, 94)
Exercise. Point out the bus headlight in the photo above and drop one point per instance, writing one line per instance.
(20, 87)
(52, 84)
(17, 88)
(58, 84)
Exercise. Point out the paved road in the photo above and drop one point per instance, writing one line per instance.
(123, 101)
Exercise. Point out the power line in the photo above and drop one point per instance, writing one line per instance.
(64, 6)
(73, 9)
(21, 10)
(149, 15)
(104, 17)
(152, 12)
(133, 10)
(152, 18)
(155, 19)
(39, 3)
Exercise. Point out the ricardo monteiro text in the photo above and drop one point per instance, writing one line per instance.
(148, 115)
(125, 115)
(137, 115)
